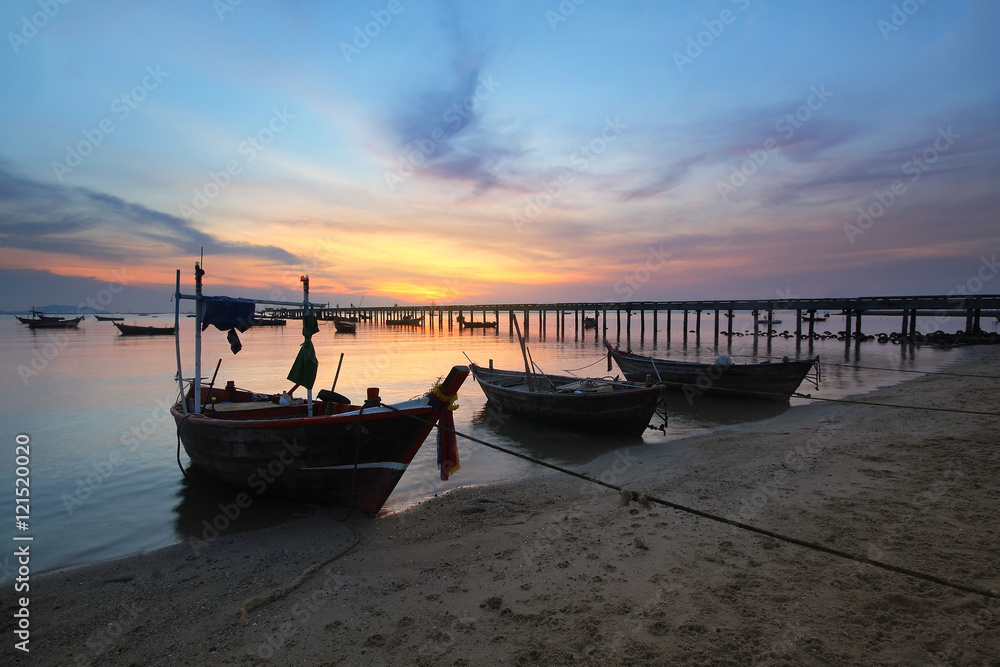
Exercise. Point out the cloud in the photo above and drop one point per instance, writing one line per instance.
(667, 179)
(95, 225)
(438, 127)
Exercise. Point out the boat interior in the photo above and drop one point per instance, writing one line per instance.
(231, 403)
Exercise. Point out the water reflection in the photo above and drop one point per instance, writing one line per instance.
(705, 412)
(555, 444)
(207, 508)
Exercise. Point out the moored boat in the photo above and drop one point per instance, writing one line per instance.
(104, 318)
(406, 321)
(350, 455)
(463, 324)
(767, 380)
(38, 316)
(55, 323)
(345, 326)
(139, 330)
(325, 451)
(578, 403)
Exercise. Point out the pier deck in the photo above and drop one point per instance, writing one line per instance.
(852, 309)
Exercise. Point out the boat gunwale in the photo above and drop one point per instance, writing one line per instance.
(666, 363)
(619, 386)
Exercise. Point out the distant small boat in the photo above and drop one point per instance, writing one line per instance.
(814, 318)
(345, 326)
(766, 322)
(54, 324)
(135, 330)
(590, 323)
(266, 321)
(102, 318)
(579, 403)
(462, 324)
(406, 321)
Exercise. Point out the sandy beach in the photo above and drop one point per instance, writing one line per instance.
(559, 571)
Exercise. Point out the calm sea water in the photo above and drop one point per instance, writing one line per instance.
(104, 475)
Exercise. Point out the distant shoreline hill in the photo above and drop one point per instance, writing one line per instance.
(62, 310)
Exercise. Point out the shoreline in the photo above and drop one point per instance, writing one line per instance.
(554, 570)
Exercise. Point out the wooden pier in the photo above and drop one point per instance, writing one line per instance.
(808, 313)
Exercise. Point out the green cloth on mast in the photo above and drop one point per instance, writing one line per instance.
(304, 367)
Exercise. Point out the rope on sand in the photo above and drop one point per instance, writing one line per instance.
(252, 603)
(628, 495)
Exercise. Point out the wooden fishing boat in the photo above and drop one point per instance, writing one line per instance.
(37, 316)
(326, 451)
(138, 330)
(765, 380)
(103, 318)
(55, 324)
(350, 455)
(588, 404)
(345, 326)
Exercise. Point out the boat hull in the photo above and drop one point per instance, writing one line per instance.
(775, 381)
(55, 324)
(135, 330)
(627, 411)
(345, 326)
(354, 457)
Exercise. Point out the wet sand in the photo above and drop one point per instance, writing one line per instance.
(558, 571)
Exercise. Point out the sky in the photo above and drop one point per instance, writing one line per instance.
(529, 151)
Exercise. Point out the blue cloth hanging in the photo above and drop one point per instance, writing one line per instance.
(227, 313)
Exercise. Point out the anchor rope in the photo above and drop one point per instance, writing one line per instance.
(633, 495)
(252, 603)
